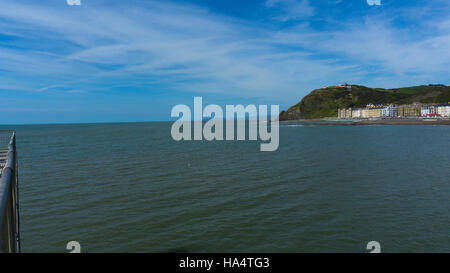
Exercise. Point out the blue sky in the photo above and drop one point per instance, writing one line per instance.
(108, 60)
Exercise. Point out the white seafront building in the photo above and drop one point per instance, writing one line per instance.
(357, 113)
(389, 111)
(428, 110)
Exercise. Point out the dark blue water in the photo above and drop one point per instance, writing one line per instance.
(131, 188)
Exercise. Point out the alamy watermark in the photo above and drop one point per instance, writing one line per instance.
(374, 247)
(213, 128)
(374, 2)
(74, 247)
(73, 2)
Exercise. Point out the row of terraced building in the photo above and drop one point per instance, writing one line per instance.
(431, 110)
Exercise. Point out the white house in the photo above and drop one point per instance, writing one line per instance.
(357, 113)
(428, 110)
(389, 111)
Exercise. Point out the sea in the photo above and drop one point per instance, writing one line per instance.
(129, 187)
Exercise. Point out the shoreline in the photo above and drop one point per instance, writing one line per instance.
(406, 121)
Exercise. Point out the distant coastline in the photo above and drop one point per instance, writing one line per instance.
(357, 101)
(355, 122)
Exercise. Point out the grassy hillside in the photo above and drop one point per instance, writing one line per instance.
(325, 102)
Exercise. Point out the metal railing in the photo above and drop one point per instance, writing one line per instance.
(5, 139)
(9, 198)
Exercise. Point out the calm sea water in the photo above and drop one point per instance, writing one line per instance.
(131, 188)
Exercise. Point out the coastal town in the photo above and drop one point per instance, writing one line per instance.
(414, 110)
(380, 111)
(362, 104)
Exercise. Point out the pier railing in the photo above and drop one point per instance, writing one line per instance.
(9, 201)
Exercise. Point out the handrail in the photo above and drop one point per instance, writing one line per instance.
(5, 138)
(9, 203)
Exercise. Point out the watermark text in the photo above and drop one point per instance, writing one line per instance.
(235, 118)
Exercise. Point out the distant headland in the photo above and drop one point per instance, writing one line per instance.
(367, 105)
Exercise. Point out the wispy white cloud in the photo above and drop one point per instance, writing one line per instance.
(291, 9)
(187, 48)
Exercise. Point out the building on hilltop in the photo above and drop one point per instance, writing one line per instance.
(346, 85)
